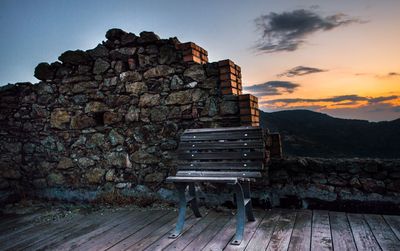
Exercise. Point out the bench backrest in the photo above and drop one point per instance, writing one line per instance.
(222, 152)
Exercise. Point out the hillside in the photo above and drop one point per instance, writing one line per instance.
(308, 133)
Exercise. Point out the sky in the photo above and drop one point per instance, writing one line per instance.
(335, 57)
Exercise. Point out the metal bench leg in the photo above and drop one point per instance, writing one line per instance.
(193, 202)
(249, 206)
(240, 215)
(182, 210)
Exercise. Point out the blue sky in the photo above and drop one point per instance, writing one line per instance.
(355, 58)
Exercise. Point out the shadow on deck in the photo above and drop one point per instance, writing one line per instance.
(148, 230)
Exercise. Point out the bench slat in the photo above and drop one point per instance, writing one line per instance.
(230, 180)
(215, 136)
(221, 165)
(222, 155)
(185, 146)
(224, 129)
(244, 174)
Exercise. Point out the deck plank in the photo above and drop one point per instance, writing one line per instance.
(249, 230)
(301, 236)
(383, 233)
(363, 235)
(321, 238)
(192, 227)
(223, 237)
(283, 230)
(131, 226)
(342, 237)
(155, 231)
(204, 237)
(66, 231)
(142, 234)
(394, 223)
(182, 241)
(264, 231)
(79, 238)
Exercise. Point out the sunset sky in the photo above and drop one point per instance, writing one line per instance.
(337, 57)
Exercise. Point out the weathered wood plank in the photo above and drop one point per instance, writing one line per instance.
(186, 146)
(321, 238)
(218, 174)
(387, 240)
(394, 223)
(202, 179)
(208, 233)
(182, 241)
(301, 235)
(223, 129)
(342, 237)
(264, 232)
(223, 237)
(249, 230)
(120, 232)
(222, 165)
(85, 236)
(363, 236)
(165, 222)
(164, 241)
(240, 155)
(66, 231)
(214, 135)
(283, 230)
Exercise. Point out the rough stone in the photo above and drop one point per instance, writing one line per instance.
(100, 66)
(110, 175)
(158, 114)
(44, 71)
(111, 118)
(115, 138)
(95, 175)
(154, 177)
(196, 72)
(59, 119)
(136, 88)
(11, 174)
(133, 114)
(97, 140)
(179, 98)
(85, 162)
(148, 100)
(148, 37)
(228, 108)
(167, 55)
(65, 163)
(142, 156)
(95, 106)
(114, 34)
(119, 159)
(159, 71)
(75, 57)
(132, 76)
(82, 121)
(99, 51)
(55, 179)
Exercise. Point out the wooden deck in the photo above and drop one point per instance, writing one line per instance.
(148, 230)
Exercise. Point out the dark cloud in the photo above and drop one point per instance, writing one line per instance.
(335, 99)
(272, 88)
(286, 31)
(382, 99)
(393, 74)
(300, 71)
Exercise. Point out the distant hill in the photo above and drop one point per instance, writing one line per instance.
(308, 133)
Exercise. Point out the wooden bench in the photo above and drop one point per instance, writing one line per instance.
(234, 156)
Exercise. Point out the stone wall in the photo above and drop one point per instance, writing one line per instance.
(108, 117)
(368, 185)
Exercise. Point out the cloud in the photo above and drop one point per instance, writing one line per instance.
(335, 99)
(393, 74)
(345, 106)
(287, 31)
(300, 71)
(271, 88)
